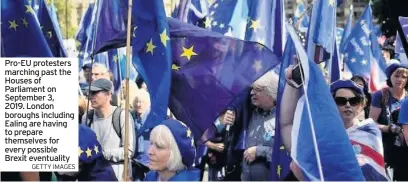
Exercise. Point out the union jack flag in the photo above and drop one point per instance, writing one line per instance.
(366, 140)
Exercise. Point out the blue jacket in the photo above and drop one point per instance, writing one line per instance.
(191, 174)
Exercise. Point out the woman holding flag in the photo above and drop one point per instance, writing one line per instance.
(364, 135)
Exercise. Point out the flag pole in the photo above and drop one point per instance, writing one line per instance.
(126, 152)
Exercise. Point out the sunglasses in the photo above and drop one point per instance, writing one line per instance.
(353, 101)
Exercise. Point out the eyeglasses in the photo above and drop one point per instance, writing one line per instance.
(353, 101)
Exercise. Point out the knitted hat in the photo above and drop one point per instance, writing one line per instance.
(184, 139)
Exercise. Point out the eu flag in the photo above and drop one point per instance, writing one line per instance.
(49, 31)
(280, 157)
(83, 35)
(111, 19)
(210, 71)
(265, 24)
(151, 54)
(20, 33)
(114, 67)
(357, 48)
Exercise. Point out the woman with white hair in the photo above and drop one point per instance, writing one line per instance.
(172, 153)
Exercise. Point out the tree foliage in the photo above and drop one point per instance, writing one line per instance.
(64, 9)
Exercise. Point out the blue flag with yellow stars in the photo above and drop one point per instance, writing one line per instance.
(210, 71)
(111, 20)
(114, 67)
(94, 167)
(280, 157)
(151, 54)
(21, 35)
(89, 148)
(49, 31)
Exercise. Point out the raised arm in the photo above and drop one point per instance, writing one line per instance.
(287, 110)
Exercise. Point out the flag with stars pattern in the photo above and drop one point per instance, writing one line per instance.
(21, 35)
(209, 71)
(151, 54)
(252, 20)
(111, 19)
(50, 31)
(280, 157)
(358, 51)
(114, 67)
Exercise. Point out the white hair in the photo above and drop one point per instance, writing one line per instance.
(99, 65)
(270, 81)
(142, 94)
(162, 135)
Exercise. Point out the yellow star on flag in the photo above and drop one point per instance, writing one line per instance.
(188, 133)
(188, 52)
(80, 151)
(175, 67)
(150, 47)
(115, 58)
(29, 9)
(278, 170)
(13, 25)
(207, 23)
(255, 25)
(331, 3)
(257, 65)
(25, 23)
(88, 152)
(282, 147)
(164, 38)
(96, 149)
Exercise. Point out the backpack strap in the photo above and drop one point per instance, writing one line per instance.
(385, 96)
(90, 119)
(384, 102)
(116, 122)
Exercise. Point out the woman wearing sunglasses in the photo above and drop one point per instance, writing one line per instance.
(350, 100)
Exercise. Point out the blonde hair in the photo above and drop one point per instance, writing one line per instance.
(270, 81)
(162, 135)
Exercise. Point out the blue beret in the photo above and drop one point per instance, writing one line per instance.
(184, 139)
(391, 68)
(346, 84)
(89, 148)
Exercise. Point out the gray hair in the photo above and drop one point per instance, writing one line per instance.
(99, 65)
(270, 81)
(162, 135)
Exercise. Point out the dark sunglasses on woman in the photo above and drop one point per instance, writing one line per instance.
(353, 101)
